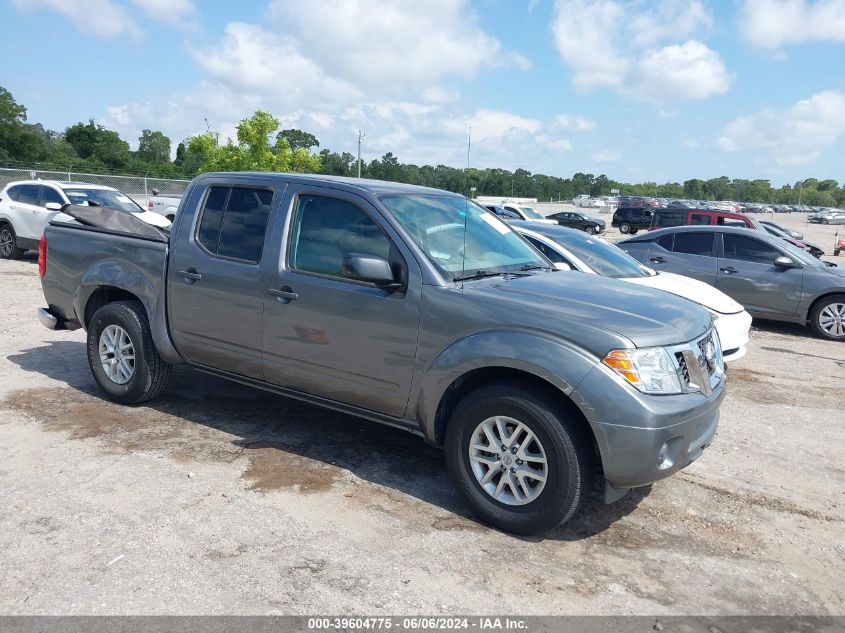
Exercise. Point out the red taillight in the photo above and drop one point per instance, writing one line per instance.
(149, 204)
(42, 256)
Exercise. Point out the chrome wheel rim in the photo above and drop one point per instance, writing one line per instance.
(508, 460)
(117, 354)
(832, 319)
(6, 242)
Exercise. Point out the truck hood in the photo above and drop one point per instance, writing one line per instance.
(644, 316)
(692, 289)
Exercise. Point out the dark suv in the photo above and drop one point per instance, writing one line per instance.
(630, 219)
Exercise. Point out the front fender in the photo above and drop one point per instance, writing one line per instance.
(557, 361)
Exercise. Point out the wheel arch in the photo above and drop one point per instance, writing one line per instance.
(819, 299)
(96, 290)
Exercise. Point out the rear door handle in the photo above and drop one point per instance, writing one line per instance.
(284, 294)
(730, 270)
(658, 260)
(190, 275)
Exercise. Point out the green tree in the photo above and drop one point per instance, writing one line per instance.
(153, 147)
(92, 141)
(297, 139)
(10, 110)
(253, 151)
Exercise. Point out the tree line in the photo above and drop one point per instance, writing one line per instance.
(261, 146)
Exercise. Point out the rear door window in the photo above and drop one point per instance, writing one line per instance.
(694, 243)
(29, 194)
(666, 241)
(749, 249)
(699, 219)
(234, 222)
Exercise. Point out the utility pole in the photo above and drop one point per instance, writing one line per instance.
(469, 144)
(361, 137)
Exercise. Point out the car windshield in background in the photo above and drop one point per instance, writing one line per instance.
(802, 256)
(102, 198)
(436, 224)
(531, 213)
(604, 258)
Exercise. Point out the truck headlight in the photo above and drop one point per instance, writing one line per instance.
(650, 369)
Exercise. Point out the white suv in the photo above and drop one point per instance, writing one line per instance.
(26, 207)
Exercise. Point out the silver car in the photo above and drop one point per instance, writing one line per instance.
(771, 278)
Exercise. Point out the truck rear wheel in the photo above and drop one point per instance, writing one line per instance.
(624, 228)
(521, 462)
(122, 356)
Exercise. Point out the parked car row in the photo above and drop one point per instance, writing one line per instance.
(769, 276)
(827, 216)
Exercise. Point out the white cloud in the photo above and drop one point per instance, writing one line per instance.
(180, 13)
(402, 43)
(253, 60)
(489, 124)
(606, 156)
(775, 23)
(575, 123)
(688, 71)
(101, 18)
(621, 45)
(795, 136)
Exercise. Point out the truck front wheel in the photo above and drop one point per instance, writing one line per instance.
(523, 464)
(122, 356)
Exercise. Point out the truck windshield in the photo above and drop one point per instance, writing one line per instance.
(436, 224)
(102, 198)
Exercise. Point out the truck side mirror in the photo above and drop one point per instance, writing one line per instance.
(370, 268)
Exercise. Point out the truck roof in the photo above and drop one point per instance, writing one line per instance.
(362, 184)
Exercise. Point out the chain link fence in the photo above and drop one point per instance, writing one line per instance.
(135, 186)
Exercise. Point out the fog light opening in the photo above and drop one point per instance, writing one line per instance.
(664, 458)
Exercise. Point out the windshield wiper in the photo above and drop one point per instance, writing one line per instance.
(526, 267)
(481, 274)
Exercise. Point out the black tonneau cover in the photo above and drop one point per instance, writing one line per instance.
(114, 220)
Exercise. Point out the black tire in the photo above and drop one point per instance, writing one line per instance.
(8, 246)
(634, 231)
(592, 229)
(568, 451)
(816, 314)
(171, 218)
(624, 228)
(151, 373)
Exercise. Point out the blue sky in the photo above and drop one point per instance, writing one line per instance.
(660, 90)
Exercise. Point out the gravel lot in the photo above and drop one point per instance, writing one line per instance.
(221, 499)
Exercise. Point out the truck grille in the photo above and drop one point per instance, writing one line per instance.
(699, 363)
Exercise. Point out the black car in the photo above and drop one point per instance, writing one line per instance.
(578, 221)
(630, 220)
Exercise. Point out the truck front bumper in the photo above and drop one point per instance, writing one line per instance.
(644, 438)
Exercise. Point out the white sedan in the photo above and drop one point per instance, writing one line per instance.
(26, 207)
(569, 249)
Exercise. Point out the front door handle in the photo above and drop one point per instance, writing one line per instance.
(284, 294)
(191, 275)
(658, 260)
(36, 211)
(730, 270)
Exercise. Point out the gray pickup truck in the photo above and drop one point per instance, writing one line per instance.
(409, 306)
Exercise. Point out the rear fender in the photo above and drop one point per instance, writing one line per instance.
(125, 276)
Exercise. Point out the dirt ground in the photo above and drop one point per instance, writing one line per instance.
(220, 499)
